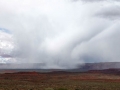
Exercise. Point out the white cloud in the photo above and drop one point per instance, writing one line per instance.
(61, 33)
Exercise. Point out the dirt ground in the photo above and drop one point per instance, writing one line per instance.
(59, 81)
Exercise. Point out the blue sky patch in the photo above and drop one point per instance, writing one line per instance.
(5, 30)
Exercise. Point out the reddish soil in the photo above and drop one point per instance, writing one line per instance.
(93, 75)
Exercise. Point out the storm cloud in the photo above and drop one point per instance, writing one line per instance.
(110, 12)
(94, 1)
(62, 33)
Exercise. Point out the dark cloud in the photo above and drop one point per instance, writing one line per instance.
(112, 12)
(91, 1)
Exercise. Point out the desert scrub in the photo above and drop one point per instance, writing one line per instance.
(62, 89)
(77, 89)
(49, 89)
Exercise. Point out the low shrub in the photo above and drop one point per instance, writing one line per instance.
(62, 89)
(49, 89)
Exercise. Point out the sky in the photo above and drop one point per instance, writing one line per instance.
(59, 33)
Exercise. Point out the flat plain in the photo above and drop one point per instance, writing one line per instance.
(60, 80)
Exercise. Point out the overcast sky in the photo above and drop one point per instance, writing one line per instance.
(62, 33)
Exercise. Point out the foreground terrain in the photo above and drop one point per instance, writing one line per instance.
(91, 80)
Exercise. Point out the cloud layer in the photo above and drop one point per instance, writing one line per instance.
(62, 33)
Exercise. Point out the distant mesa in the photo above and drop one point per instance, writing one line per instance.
(24, 73)
(37, 67)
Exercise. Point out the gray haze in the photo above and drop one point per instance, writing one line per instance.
(62, 33)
